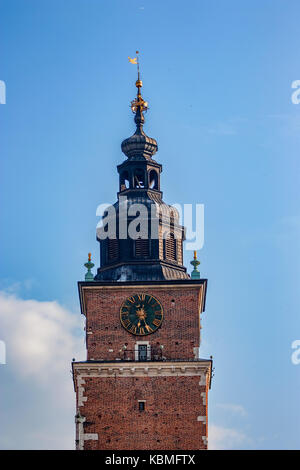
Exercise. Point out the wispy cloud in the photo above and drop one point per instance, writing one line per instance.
(10, 286)
(228, 127)
(232, 408)
(222, 438)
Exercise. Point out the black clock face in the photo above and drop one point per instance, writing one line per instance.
(141, 314)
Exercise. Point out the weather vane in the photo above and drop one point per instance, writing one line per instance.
(138, 103)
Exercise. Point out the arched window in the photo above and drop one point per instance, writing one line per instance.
(153, 179)
(170, 247)
(139, 178)
(124, 181)
(142, 248)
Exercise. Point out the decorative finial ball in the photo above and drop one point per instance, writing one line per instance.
(139, 83)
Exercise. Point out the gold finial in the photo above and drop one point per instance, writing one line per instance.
(89, 256)
(138, 103)
(139, 82)
(195, 254)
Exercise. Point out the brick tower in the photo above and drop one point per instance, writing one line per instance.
(143, 385)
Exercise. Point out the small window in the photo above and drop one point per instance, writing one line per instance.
(113, 249)
(170, 247)
(142, 248)
(143, 353)
(141, 406)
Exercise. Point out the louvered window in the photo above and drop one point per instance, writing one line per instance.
(142, 248)
(113, 249)
(170, 247)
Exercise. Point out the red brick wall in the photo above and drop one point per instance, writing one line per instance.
(179, 332)
(169, 421)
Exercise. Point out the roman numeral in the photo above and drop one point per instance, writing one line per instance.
(156, 322)
(132, 329)
(148, 328)
(141, 297)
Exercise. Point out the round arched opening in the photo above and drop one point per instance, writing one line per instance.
(124, 181)
(139, 178)
(153, 179)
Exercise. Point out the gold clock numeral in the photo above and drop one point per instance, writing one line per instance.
(126, 322)
(132, 329)
(149, 329)
(156, 322)
(142, 331)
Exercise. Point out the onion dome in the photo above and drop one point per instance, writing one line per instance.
(139, 146)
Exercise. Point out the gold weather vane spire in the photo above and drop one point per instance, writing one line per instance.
(138, 104)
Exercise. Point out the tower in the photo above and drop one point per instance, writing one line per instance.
(143, 385)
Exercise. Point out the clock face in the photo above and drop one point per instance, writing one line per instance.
(141, 314)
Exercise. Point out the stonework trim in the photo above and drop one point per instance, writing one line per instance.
(202, 419)
(80, 435)
(149, 369)
(80, 383)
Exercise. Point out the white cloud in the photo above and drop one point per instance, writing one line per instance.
(40, 336)
(233, 408)
(221, 438)
(41, 340)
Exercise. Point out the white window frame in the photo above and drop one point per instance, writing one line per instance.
(136, 349)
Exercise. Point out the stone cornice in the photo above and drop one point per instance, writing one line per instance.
(143, 369)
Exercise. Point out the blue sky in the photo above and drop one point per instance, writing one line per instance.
(217, 75)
